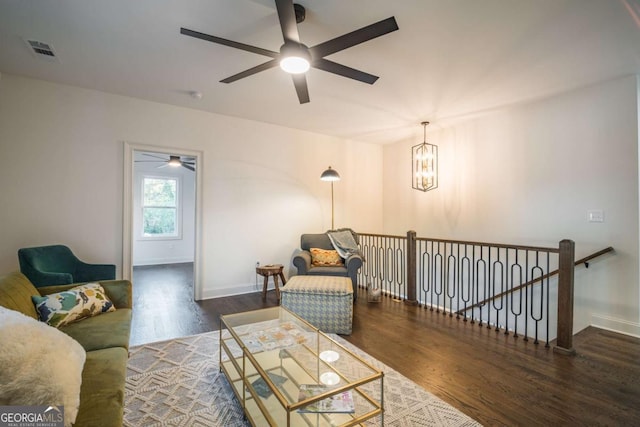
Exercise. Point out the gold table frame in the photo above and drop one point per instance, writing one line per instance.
(261, 346)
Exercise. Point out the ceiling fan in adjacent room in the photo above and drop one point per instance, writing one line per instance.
(295, 57)
(174, 161)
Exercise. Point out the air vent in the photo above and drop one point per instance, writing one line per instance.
(42, 50)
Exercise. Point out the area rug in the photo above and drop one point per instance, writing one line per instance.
(178, 383)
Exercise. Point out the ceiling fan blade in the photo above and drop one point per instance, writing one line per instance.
(251, 71)
(150, 161)
(353, 38)
(191, 168)
(288, 24)
(342, 70)
(300, 83)
(229, 43)
(154, 156)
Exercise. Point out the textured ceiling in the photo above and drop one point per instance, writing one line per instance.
(450, 58)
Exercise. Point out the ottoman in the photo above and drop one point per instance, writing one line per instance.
(324, 301)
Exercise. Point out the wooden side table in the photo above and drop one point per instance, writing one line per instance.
(275, 271)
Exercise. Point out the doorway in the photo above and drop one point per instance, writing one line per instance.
(162, 214)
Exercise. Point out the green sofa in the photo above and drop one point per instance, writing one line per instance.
(105, 338)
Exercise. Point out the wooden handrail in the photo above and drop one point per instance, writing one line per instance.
(492, 245)
(584, 261)
(467, 242)
(382, 235)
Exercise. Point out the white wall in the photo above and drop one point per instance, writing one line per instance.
(62, 172)
(155, 251)
(528, 175)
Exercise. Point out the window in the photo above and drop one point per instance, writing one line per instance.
(160, 207)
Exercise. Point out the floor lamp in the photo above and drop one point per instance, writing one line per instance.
(330, 175)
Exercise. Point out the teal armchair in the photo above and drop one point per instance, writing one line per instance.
(57, 265)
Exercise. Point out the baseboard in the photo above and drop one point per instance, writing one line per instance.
(616, 325)
(229, 292)
(161, 261)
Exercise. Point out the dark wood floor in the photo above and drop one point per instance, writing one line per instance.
(495, 379)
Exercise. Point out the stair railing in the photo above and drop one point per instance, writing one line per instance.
(486, 283)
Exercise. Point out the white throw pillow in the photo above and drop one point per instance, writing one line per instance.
(39, 365)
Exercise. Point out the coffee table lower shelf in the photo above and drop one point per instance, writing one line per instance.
(270, 412)
(268, 355)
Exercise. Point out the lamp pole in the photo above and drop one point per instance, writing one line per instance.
(332, 227)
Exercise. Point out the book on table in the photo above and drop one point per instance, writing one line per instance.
(261, 387)
(338, 403)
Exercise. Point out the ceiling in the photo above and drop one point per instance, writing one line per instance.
(449, 59)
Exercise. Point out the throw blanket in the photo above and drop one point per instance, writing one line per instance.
(344, 243)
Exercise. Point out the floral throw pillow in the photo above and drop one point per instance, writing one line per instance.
(72, 305)
(325, 258)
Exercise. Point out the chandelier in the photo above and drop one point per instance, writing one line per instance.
(424, 164)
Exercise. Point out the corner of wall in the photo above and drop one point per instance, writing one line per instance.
(616, 325)
(638, 145)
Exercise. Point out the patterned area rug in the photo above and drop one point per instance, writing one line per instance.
(178, 383)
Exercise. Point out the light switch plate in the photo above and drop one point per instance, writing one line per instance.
(595, 215)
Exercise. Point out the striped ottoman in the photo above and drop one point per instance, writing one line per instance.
(324, 301)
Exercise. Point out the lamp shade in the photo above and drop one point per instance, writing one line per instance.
(330, 175)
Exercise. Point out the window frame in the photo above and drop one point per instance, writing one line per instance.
(178, 208)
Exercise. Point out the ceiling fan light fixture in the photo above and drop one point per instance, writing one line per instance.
(174, 161)
(294, 65)
(294, 59)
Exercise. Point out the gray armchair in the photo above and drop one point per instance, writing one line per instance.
(302, 259)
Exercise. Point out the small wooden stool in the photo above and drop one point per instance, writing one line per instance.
(273, 270)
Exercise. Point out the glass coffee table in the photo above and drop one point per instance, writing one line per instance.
(285, 372)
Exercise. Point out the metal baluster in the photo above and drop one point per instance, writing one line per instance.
(506, 283)
(497, 307)
(548, 292)
(473, 284)
(465, 281)
(516, 267)
(374, 261)
(482, 282)
(400, 261)
(451, 285)
(538, 318)
(431, 274)
(527, 291)
(426, 273)
(438, 277)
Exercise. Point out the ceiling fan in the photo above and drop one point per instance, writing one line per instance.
(174, 161)
(296, 58)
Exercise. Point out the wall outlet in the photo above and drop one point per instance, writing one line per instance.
(257, 263)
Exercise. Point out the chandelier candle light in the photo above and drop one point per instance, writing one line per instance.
(424, 164)
(330, 175)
